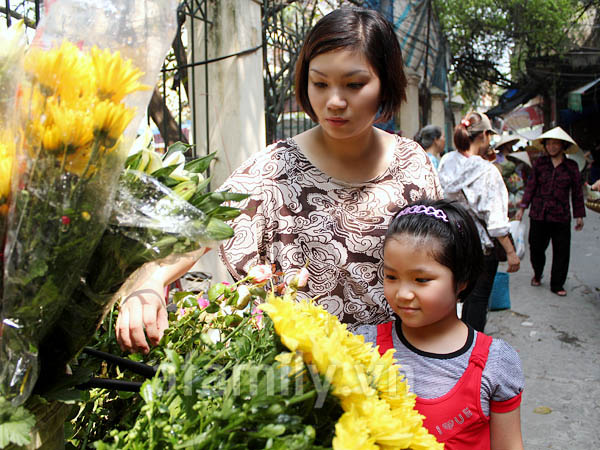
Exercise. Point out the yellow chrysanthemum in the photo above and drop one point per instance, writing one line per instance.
(351, 432)
(64, 71)
(75, 129)
(77, 162)
(292, 360)
(379, 409)
(115, 77)
(7, 158)
(110, 120)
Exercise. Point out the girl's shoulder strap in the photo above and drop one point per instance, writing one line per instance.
(480, 352)
(384, 337)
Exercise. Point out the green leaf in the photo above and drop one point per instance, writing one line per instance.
(133, 160)
(177, 147)
(225, 213)
(164, 172)
(15, 425)
(218, 230)
(200, 165)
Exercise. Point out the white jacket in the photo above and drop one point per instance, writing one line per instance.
(482, 185)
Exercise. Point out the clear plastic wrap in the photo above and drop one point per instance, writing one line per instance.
(149, 223)
(86, 83)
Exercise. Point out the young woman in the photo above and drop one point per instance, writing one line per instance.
(553, 179)
(325, 196)
(432, 139)
(475, 182)
(468, 385)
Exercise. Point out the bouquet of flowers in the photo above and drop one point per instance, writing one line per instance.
(77, 97)
(149, 222)
(230, 378)
(12, 45)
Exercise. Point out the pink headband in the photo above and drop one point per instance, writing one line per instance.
(427, 210)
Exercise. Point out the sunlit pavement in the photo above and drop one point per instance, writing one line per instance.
(558, 339)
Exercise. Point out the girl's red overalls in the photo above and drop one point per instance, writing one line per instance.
(456, 418)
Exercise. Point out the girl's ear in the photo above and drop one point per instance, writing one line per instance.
(461, 287)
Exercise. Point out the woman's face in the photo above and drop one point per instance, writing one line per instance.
(554, 146)
(484, 142)
(344, 92)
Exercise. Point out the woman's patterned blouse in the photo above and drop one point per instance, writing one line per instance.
(297, 214)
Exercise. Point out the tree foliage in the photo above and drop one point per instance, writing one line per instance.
(491, 40)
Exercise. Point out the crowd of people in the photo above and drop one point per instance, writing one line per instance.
(394, 236)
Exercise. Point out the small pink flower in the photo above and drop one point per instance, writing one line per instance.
(260, 274)
(257, 314)
(203, 302)
(181, 312)
(65, 220)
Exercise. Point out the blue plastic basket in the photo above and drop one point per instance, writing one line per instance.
(500, 296)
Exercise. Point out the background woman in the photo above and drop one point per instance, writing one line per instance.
(475, 182)
(432, 139)
(327, 195)
(553, 179)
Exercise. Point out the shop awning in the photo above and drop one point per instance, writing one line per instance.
(575, 100)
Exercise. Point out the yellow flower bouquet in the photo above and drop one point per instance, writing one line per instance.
(230, 377)
(80, 98)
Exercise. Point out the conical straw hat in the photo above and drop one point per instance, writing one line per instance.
(505, 139)
(556, 133)
(521, 156)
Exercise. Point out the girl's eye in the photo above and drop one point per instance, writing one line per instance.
(390, 277)
(356, 85)
(319, 84)
(422, 280)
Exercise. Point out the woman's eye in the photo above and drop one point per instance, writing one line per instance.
(319, 84)
(422, 280)
(390, 277)
(356, 85)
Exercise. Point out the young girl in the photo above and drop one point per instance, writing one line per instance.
(468, 385)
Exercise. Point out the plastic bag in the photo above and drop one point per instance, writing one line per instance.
(87, 81)
(149, 223)
(518, 230)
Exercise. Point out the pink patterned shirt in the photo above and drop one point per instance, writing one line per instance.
(298, 214)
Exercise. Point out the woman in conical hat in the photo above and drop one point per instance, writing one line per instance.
(553, 180)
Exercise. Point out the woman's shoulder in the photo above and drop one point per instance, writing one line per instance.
(270, 163)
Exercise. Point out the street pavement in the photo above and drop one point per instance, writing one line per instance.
(558, 339)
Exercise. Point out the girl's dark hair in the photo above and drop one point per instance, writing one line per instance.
(360, 29)
(460, 245)
(427, 136)
(462, 134)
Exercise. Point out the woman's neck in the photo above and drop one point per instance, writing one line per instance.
(443, 337)
(557, 159)
(360, 158)
(433, 150)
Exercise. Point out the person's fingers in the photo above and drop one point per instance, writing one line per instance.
(149, 315)
(122, 329)
(162, 321)
(136, 326)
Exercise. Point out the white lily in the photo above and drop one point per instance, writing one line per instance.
(177, 158)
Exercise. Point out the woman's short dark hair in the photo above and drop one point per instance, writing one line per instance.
(460, 244)
(427, 136)
(360, 29)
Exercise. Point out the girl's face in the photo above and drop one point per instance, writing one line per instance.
(344, 92)
(418, 288)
